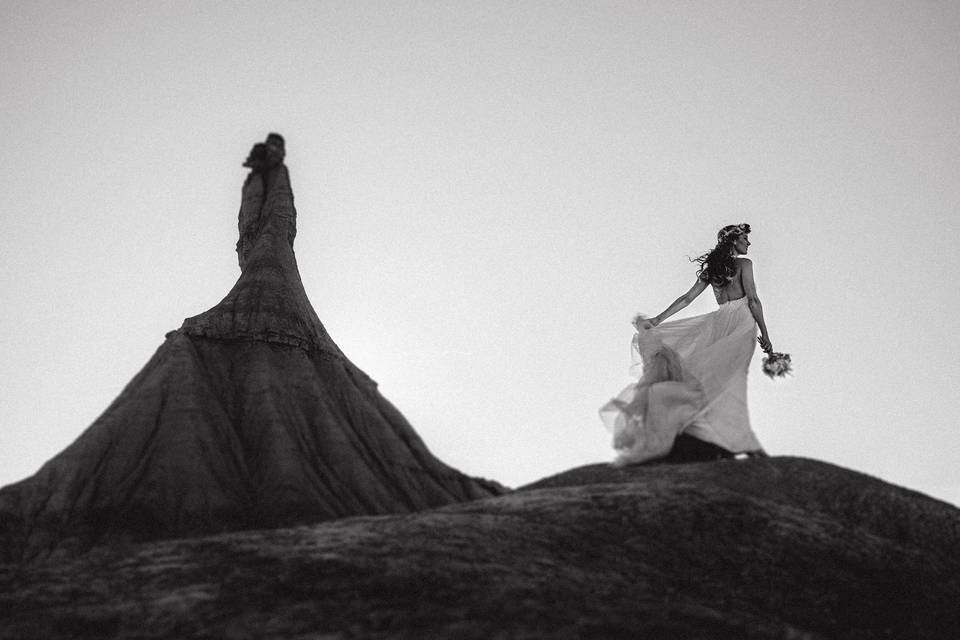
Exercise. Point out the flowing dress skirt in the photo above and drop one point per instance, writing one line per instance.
(693, 380)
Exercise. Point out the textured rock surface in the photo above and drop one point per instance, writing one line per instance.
(763, 548)
(248, 416)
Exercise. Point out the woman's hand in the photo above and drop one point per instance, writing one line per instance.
(642, 323)
(765, 343)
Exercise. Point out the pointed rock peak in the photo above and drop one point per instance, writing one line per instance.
(268, 302)
(267, 174)
(248, 416)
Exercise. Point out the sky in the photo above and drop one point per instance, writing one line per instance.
(487, 192)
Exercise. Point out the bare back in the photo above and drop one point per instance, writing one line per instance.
(733, 290)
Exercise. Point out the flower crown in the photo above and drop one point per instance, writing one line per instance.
(732, 230)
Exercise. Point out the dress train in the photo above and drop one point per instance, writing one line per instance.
(693, 380)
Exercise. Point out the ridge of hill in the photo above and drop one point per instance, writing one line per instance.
(763, 548)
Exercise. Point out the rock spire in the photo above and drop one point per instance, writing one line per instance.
(248, 416)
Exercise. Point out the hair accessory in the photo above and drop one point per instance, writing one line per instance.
(732, 230)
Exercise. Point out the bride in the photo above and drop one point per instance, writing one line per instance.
(693, 387)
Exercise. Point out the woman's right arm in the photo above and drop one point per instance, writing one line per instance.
(750, 290)
(681, 302)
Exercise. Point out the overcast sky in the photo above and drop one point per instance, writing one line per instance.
(487, 192)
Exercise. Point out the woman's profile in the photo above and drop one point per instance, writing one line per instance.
(694, 370)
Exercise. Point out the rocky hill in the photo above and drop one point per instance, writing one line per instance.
(247, 416)
(739, 549)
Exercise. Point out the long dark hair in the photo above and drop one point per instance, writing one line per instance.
(719, 265)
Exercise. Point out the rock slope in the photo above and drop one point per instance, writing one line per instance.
(740, 549)
(248, 416)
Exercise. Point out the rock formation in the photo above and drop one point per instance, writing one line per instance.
(248, 416)
(776, 548)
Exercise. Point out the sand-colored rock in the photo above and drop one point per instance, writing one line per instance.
(742, 549)
(248, 416)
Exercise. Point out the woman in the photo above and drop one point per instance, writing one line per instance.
(694, 371)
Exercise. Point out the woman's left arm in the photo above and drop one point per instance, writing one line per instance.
(680, 303)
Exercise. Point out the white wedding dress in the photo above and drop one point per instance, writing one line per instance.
(693, 380)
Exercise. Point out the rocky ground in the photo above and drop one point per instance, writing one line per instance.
(738, 549)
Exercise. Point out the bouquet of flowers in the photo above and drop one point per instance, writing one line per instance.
(777, 365)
